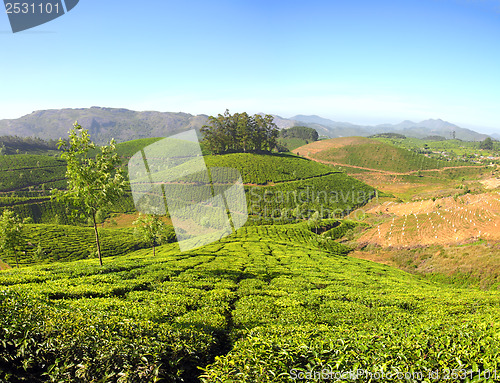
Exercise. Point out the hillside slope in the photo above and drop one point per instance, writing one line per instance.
(277, 185)
(370, 154)
(261, 305)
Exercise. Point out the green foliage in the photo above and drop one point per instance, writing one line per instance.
(486, 144)
(268, 169)
(94, 183)
(388, 135)
(53, 243)
(153, 230)
(257, 306)
(341, 230)
(240, 133)
(11, 233)
(374, 154)
(301, 132)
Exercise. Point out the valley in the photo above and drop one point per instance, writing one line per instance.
(358, 255)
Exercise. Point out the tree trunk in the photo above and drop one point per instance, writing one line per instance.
(97, 239)
(17, 261)
(154, 250)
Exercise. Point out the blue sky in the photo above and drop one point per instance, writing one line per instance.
(358, 61)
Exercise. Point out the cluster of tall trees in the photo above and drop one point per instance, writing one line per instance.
(15, 144)
(487, 144)
(240, 133)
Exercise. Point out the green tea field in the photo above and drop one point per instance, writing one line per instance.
(288, 297)
(268, 304)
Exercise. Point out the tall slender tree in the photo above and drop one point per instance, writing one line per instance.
(94, 183)
(11, 233)
(151, 229)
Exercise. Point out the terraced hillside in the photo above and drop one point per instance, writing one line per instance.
(264, 305)
(290, 188)
(49, 243)
(370, 154)
(448, 221)
(25, 184)
(277, 186)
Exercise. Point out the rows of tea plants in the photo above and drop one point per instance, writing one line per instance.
(263, 305)
(266, 169)
(42, 209)
(47, 243)
(34, 178)
(341, 230)
(378, 155)
(312, 314)
(28, 161)
(333, 194)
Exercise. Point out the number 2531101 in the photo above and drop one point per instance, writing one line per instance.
(27, 8)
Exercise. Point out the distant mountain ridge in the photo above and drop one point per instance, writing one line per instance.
(124, 125)
(102, 123)
(431, 127)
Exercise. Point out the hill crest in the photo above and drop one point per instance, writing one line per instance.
(369, 154)
(124, 125)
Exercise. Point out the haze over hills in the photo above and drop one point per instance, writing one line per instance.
(103, 123)
(124, 125)
(431, 127)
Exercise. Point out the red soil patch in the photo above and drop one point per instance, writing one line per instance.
(444, 221)
(318, 146)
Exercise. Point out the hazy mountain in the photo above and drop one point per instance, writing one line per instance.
(329, 128)
(322, 121)
(103, 123)
(409, 128)
(124, 125)
(282, 123)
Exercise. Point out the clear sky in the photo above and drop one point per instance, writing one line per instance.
(357, 61)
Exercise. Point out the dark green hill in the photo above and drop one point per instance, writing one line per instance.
(25, 145)
(263, 169)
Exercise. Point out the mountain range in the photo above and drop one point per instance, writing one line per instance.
(421, 129)
(124, 125)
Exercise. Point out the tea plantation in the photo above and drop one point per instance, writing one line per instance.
(275, 185)
(49, 243)
(267, 304)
